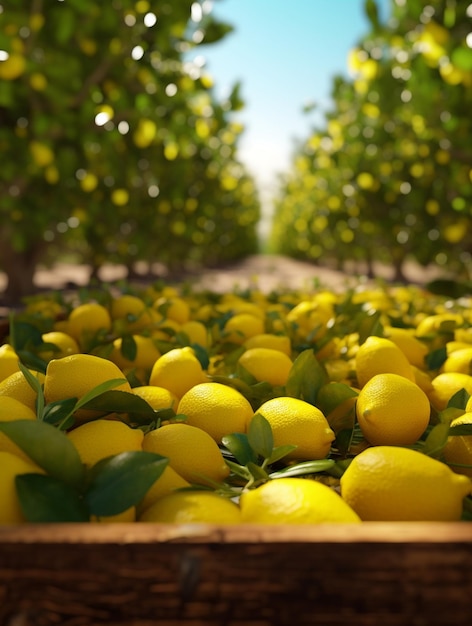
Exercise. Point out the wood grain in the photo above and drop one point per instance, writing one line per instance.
(143, 574)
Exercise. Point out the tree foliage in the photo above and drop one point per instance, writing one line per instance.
(113, 143)
(388, 174)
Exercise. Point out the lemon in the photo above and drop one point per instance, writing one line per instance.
(269, 340)
(86, 320)
(157, 397)
(177, 370)
(458, 449)
(167, 482)
(16, 386)
(414, 349)
(125, 517)
(391, 410)
(216, 408)
(192, 507)
(242, 326)
(101, 438)
(196, 332)
(174, 308)
(459, 361)
(12, 466)
(8, 361)
(445, 385)
(10, 410)
(309, 319)
(65, 343)
(389, 483)
(13, 67)
(378, 355)
(294, 501)
(130, 314)
(146, 355)
(266, 364)
(75, 375)
(191, 451)
(296, 422)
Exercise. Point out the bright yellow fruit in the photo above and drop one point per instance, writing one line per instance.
(157, 397)
(173, 308)
(196, 332)
(16, 386)
(269, 340)
(309, 319)
(391, 410)
(459, 361)
(177, 370)
(266, 364)
(131, 314)
(11, 410)
(167, 482)
(298, 423)
(146, 354)
(101, 438)
(414, 349)
(458, 449)
(65, 343)
(445, 385)
(216, 408)
(86, 320)
(242, 326)
(295, 501)
(191, 451)
(12, 466)
(75, 375)
(392, 484)
(378, 355)
(8, 361)
(13, 67)
(192, 507)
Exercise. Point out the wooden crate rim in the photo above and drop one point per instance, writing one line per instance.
(134, 533)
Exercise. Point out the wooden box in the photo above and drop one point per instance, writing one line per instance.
(375, 574)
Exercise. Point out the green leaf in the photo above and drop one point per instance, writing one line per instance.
(257, 473)
(121, 402)
(279, 452)
(23, 335)
(460, 430)
(436, 358)
(238, 445)
(48, 499)
(462, 58)
(306, 377)
(260, 436)
(34, 383)
(239, 470)
(57, 412)
(48, 447)
(128, 348)
(458, 400)
(99, 390)
(121, 481)
(436, 440)
(301, 469)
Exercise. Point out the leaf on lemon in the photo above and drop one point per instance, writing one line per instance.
(47, 499)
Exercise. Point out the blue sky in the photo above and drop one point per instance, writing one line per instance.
(285, 53)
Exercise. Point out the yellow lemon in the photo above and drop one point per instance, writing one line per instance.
(389, 483)
(391, 410)
(10, 410)
(130, 314)
(75, 375)
(309, 319)
(445, 385)
(16, 386)
(174, 308)
(295, 501)
(146, 354)
(86, 320)
(296, 422)
(414, 349)
(192, 507)
(13, 67)
(196, 332)
(177, 370)
(458, 449)
(157, 397)
(269, 340)
(216, 408)
(64, 343)
(266, 364)
(12, 466)
(378, 355)
(459, 361)
(8, 361)
(101, 438)
(242, 326)
(191, 451)
(167, 482)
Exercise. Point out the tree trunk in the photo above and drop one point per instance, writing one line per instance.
(19, 266)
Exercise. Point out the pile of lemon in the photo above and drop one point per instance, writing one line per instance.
(294, 407)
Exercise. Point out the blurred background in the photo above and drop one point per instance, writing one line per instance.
(186, 134)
